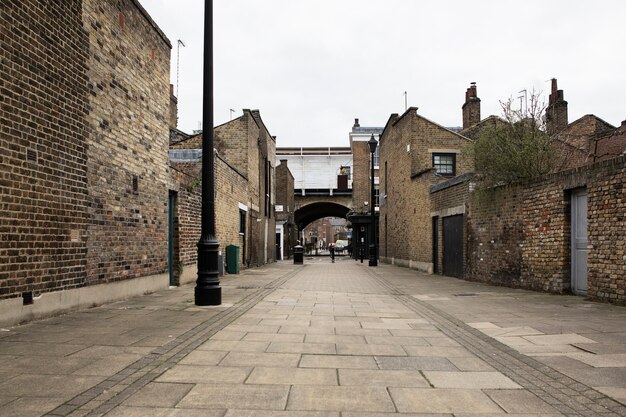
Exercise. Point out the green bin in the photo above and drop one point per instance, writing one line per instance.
(232, 259)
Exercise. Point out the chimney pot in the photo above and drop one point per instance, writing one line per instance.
(356, 123)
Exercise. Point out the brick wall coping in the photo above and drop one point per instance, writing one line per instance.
(452, 182)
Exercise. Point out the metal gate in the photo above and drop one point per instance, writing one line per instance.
(579, 242)
(453, 246)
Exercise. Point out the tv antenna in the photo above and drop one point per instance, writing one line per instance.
(179, 43)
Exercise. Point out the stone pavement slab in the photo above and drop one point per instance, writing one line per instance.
(323, 340)
(224, 396)
(340, 399)
(423, 400)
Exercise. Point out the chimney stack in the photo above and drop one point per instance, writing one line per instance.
(173, 116)
(356, 123)
(556, 112)
(471, 108)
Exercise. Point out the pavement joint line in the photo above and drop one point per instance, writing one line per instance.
(164, 356)
(509, 361)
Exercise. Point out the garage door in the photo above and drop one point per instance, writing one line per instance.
(453, 246)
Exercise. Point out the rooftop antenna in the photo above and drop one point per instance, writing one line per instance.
(178, 62)
(231, 114)
(525, 102)
(405, 102)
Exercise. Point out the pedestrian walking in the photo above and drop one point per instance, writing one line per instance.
(331, 249)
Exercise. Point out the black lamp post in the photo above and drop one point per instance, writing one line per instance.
(208, 290)
(373, 261)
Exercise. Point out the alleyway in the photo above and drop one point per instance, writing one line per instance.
(323, 339)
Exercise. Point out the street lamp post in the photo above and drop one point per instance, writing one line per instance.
(373, 261)
(208, 290)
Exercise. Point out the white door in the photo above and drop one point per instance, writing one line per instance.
(579, 241)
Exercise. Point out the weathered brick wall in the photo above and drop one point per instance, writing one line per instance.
(449, 201)
(231, 189)
(43, 154)
(406, 176)
(519, 235)
(285, 197)
(361, 167)
(607, 231)
(128, 69)
(186, 181)
(494, 237)
(231, 140)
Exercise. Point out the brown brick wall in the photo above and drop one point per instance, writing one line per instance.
(43, 154)
(406, 175)
(285, 197)
(231, 189)
(361, 167)
(519, 235)
(128, 69)
(450, 201)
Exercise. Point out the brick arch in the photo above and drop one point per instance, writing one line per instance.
(311, 212)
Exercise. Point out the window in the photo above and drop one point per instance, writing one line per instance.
(445, 164)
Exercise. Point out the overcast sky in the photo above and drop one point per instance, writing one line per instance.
(312, 66)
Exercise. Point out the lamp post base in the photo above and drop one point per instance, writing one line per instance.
(208, 291)
(373, 261)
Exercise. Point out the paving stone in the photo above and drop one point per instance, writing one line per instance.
(381, 378)
(339, 399)
(196, 374)
(558, 339)
(520, 402)
(318, 348)
(307, 330)
(346, 331)
(203, 357)
(422, 363)
(298, 376)
(228, 335)
(159, 394)
(338, 361)
(367, 349)
(437, 351)
(124, 411)
(261, 359)
(394, 340)
(430, 400)
(275, 337)
(30, 406)
(64, 386)
(234, 346)
(257, 397)
(330, 338)
(263, 413)
(107, 366)
(39, 349)
(471, 364)
(475, 380)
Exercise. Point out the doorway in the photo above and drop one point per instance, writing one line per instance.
(579, 242)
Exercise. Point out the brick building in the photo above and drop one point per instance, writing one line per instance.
(286, 230)
(245, 187)
(84, 132)
(416, 153)
(562, 233)
(586, 140)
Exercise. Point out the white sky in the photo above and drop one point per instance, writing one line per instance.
(312, 66)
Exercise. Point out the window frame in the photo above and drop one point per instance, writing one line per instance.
(446, 155)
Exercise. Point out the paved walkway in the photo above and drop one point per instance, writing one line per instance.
(322, 340)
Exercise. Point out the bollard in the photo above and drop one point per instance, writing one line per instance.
(298, 255)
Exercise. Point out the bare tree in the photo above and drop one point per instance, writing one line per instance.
(518, 148)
